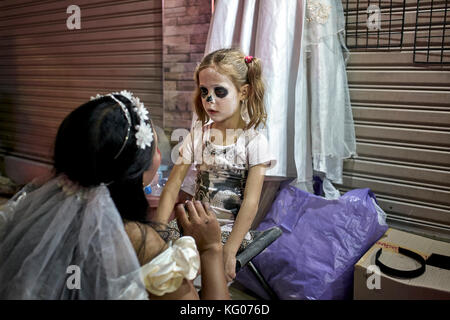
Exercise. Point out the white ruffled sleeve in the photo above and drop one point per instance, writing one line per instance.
(165, 273)
(258, 151)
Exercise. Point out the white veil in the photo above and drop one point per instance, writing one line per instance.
(48, 234)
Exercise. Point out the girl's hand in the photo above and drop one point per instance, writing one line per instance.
(200, 223)
(229, 260)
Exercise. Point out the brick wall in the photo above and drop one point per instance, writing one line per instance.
(185, 29)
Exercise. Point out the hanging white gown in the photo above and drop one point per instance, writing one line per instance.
(332, 128)
(310, 124)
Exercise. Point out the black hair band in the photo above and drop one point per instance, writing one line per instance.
(402, 273)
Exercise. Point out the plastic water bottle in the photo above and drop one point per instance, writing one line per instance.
(148, 190)
(156, 186)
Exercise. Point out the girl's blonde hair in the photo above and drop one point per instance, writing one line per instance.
(231, 62)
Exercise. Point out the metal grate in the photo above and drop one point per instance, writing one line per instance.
(374, 24)
(432, 34)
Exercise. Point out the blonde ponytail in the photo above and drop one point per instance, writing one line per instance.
(256, 109)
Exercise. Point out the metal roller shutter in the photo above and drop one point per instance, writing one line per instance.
(401, 112)
(48, 70)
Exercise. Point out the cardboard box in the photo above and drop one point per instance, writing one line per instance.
(434, 283)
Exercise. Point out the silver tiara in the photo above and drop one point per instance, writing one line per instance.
(144, 132)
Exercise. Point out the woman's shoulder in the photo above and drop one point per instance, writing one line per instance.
(146, 241)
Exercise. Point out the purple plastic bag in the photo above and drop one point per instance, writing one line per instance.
(321, 241)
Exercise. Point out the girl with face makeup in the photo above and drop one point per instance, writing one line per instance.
(229, 154)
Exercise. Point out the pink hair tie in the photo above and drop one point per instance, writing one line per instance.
(248, 59)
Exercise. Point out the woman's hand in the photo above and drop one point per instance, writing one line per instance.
(229, 260)
(200, 223)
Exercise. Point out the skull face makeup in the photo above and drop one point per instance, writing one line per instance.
(220, 98)
(219, 92)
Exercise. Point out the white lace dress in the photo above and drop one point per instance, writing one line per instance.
(332, 128)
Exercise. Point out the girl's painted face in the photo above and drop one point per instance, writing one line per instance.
(220, 98)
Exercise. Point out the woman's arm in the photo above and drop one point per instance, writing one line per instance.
(201, 224)
(170, 193)
(245, 218)
(154, 245)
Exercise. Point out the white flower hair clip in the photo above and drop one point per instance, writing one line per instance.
(144, 132)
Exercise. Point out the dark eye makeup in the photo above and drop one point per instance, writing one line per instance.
(220, 92)
(203, 92)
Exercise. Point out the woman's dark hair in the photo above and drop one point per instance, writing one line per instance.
(87, 142)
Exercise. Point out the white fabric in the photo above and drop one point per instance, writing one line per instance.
(46, 231)
(310, 125)
(250, 149)
(165, 273)
(271, 31)
(258, 152)
(332, 129)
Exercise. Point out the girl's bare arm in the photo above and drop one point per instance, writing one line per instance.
(245, 217)
(170, 192)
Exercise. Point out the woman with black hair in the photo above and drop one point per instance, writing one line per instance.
(83, 233)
